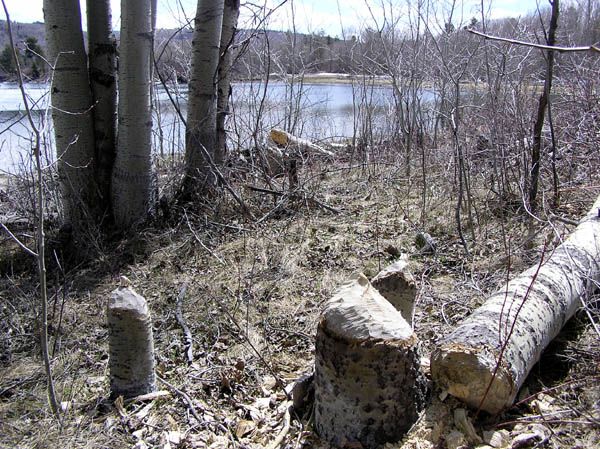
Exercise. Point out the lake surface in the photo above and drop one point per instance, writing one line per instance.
(315, 111)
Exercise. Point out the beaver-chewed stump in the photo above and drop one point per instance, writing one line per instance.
(131, 346)
(368, 385)
(397, 285)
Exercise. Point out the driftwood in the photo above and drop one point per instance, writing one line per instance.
(368, 384)
(131, 346)
(486, 359)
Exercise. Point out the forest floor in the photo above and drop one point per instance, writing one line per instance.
(255, 289)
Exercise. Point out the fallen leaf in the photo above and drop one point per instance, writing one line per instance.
(244, 427)
(497, 439)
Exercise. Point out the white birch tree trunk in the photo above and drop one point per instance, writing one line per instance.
(486, 359)
(231, 13)
(202, 100)
(103, 70)
(131, 178)
(71, 109)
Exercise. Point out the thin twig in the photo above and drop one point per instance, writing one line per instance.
(185, 397)
(258, 353)
(191, 407)
(18, 242)
(512, 328)
(564, 220)
(212, 253)
(294, 196)
(187, 334)
(284, 430)
(41, 238)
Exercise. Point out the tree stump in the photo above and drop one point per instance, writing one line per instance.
(368, 384)
(486, 359)
(131, 346)
(396, 284)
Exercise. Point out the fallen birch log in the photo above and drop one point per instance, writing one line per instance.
(286, 140)
(288, 154)
(368, 385)
(486, 359)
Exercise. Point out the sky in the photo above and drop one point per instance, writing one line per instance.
(334, 17)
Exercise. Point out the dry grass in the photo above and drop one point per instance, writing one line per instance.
(253, 302)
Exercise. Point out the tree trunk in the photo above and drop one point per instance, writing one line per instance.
(201, 132)
(131, 179)
(486, 359)
(541, 111)
(102, 68)
(368, 384)
(71, 112)
(131, 345)
(231, 13)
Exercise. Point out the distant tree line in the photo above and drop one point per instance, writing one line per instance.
(31, 58)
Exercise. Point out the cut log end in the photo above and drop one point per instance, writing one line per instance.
(467, 375)
(368, 385)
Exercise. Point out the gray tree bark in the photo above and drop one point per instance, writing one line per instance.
(231, 13)
(131, 345)
(201, 132)
(132, 171)
(486, 359)
(71, 109)
(103, 70)
(368, 384)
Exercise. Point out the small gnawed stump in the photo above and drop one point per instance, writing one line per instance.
(368, 384)
(131, 347)
(396, 284)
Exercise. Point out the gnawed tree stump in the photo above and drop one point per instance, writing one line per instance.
(293, 149)
(368, 384)
(504, 338)
(131, 346)
(295, 144)
(396, 284)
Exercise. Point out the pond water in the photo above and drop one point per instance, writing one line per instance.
(315, 111)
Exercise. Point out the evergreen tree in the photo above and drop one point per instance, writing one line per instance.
(7, 61)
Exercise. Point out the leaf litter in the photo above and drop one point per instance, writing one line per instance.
(252, 304)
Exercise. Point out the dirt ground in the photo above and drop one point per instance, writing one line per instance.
(255, 289)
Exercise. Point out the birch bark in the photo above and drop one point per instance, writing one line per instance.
(103, 70)
(486, 359)
(131, 344)
(131, 177)
(202, 101)
(231, 13)
(71, 109)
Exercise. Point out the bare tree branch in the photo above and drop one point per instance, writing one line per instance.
(531, 44)
(18, 242)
